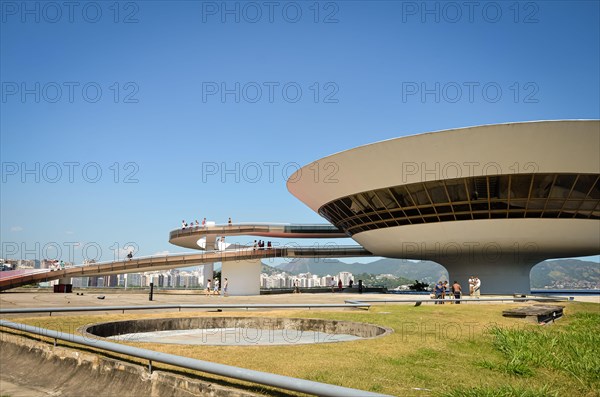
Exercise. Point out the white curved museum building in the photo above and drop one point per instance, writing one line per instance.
(490, 201)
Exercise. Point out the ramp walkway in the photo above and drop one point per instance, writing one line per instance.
(162, 262)
(188, 237)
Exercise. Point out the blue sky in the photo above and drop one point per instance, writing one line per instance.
(118, 120)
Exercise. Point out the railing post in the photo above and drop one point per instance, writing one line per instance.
(150, 366)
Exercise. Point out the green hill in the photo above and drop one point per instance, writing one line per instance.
(413, 270)
(558, 273)
(566, 274)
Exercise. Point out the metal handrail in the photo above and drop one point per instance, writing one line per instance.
(324, 248)
(462, 300)
(253, 227)
(328, 225)
(15, 276)
(247, 306)
(264, 378)
(178, 260)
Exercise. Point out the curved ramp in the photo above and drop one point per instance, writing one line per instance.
(162, 262)
(188, 237)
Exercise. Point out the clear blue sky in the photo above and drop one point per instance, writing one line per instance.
(160, 118)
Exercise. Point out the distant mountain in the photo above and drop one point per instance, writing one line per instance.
(566, 273)
(269, 269)
(413, 270)
(559, 273)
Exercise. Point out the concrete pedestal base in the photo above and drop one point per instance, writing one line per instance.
(243, 277)
(207, 272)
(498, 277)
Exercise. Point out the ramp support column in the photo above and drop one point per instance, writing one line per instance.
(243, 277)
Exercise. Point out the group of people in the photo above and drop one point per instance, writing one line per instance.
(475, 286)
(184, 224)
(340, 285)
(195, 224)
(57, 265)
(261, 245)
(441, 288)
(212, 287)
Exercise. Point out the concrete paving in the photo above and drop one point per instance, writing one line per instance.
(9, 388)
(41, 298)
(112, 297)
(235, 337)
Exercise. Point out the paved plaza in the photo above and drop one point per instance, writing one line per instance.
(45, 298)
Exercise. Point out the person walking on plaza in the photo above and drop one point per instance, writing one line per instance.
(477, 287)
(130, 255)
(438, 292)
(204, 222)
(229, 221)
(444, 287)
(216, 289)
(471, 284)
(456, 290)
(225, 286)
(340, 285)
(208, 284)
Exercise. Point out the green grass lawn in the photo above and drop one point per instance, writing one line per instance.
(441, 350)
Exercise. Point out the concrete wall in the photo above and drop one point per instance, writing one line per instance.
(486, 238)
(44, 370)
(243, 276)
(362, 330)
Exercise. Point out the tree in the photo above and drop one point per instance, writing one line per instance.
(419, 286)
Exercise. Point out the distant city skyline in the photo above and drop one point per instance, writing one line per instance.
(194, 278)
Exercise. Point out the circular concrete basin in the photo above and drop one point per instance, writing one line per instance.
(236, 331)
